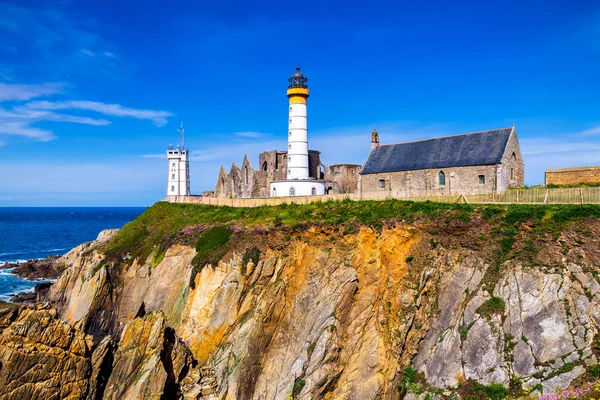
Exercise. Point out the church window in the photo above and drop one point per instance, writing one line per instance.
(292, 191)
(173, 166)
(264, 166)
(482, 179)
(289, 146)
(313, 191)
(382, 184)
(274, 192)
(246, 175)
(172, 176)
(512, 173)
(290, 133)
(172, 188)
(442, 178)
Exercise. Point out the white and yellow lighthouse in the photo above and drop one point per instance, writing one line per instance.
(298, 182)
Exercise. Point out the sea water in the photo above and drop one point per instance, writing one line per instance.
(35, 233)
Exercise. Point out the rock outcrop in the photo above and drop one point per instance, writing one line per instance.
(316, 314)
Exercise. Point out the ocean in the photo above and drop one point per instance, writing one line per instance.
(34, 233)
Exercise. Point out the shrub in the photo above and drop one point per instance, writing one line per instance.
(209, 249)
(492, 391)
(492, 306)
(251, 254)
(298, 386)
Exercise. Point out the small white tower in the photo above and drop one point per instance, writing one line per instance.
(179, 168)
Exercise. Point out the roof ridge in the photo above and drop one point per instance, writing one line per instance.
(444, 137)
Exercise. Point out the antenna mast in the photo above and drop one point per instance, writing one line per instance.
(182, 133)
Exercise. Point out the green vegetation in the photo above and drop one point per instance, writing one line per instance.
(311, 349)
(210, 249)
(298, 386)
(251, 254)
(577, 185)
(409, 259)
(594, 371)
(164, 224)
(492, 306)
(464, 330)
(492, 391)
(158, 255)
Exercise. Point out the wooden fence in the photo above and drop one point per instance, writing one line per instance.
(512, 196)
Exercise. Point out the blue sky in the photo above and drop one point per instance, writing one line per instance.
(92, 92)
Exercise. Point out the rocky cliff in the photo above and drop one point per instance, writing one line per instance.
(388, 300)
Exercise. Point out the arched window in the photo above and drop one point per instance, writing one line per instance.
(292, 191)
(513, 163)
(274, 192)
(246, 168)
(313, 191)
(223, 182)
(264, 166)
(442, 178)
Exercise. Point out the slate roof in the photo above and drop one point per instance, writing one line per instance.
(478, 148)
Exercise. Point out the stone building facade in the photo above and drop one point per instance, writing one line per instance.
(476, 163)
(573, 176)
(246, 182)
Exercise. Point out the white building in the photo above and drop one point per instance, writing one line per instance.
(298, 182)
(179, 169)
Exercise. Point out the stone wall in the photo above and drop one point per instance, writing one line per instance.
(342, 178)
(512, 160)
(425, 182)
(573, 176)
(246, 182)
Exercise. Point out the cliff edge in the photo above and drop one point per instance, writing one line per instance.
(347, 300)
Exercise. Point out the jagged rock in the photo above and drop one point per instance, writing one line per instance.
(102, 361)
(325, 319)
(482, 355)
(41, 357)
(563, 380)
(523, 363)
(106, 235)
(150, 361)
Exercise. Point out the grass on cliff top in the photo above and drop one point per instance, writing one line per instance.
(159, 224)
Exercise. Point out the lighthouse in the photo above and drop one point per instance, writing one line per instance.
(178, 183)
(298, 182)
(297, 159)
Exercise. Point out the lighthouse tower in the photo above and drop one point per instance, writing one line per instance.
(179, 169)
(297, 159)
(298, 182)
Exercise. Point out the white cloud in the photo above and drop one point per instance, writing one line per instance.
(248, 134)
(591, 132)
(157, 116)
(20, 113)
(549, 146)
(20, 92)
(23, 129)
(88, 53)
